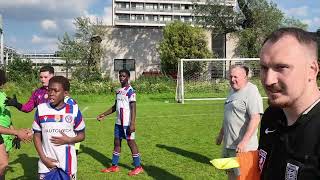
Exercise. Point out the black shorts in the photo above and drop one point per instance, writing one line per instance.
(1, 140)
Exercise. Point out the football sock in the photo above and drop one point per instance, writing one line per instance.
(136, 160)
(115, 158)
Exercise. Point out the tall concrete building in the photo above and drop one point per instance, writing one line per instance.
(156, 12)
(133, 39)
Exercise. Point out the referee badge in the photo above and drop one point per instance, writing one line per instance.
(57, 118)
(291, 172)
(262, 158)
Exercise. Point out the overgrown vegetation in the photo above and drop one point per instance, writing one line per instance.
(181, 40)
(21, 71)
(251, 23)
(83, 49)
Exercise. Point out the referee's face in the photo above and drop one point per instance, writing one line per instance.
(285, 72)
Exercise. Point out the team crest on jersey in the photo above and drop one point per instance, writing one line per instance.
(68, 118)
(57, 118)
(291, 172)
(45, 96)
(262, 158)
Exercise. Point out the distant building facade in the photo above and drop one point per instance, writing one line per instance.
(136, 32)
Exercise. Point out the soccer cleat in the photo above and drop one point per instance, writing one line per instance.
(110, 169)
(136, 171)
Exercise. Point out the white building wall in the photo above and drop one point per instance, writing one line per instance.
(139, 43)
(131, 43)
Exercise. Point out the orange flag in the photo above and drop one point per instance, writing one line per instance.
(249, 168)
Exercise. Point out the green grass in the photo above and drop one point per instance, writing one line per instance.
(175, 141)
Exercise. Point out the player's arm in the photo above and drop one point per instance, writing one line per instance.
(107, 112)
(27, 107)
(50, 163)
(22, 134)
(64, 139)
(252, 127)
(133, 116)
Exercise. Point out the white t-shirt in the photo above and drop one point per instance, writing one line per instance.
(238, 108)
(125, 95)
(50, 122)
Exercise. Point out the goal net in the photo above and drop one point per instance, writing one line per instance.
(207, 79)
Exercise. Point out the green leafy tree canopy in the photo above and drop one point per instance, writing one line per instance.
(181, 40)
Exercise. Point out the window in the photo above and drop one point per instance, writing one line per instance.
(218, 45)
(128, 64)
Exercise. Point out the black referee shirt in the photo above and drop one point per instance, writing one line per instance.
(290, 152)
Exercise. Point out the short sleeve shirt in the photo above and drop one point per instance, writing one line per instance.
(50, 122)
(238, 108)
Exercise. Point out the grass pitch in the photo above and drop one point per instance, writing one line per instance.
(175, 141)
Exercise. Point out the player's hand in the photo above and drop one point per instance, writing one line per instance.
(131, 129)
(241, 147)
(60, 140)
(16, 143)
(12, 101)
(101, 117)
(49, 162)
(24, 135)
(219, 139)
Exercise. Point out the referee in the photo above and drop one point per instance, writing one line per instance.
(289, 146)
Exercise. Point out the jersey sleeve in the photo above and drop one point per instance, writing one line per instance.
(79, 122)
(131, 95)
(30, 105)
(36, 123)
(255, 103)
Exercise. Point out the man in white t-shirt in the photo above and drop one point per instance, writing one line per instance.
(242, 110)
(57, 127)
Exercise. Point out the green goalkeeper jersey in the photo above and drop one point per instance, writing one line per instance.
(5, 121)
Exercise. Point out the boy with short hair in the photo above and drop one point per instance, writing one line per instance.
(125, 106)
(57, 127)
(39, 95)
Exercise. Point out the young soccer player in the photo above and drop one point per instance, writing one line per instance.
(125, 126)
(5, 131)
(40, 95)
(57, 127)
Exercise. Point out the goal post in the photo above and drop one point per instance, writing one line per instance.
(206, 79)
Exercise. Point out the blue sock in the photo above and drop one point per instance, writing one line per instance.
(136, 160)
(115, 158)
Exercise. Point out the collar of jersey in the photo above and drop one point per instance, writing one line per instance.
(303, 118)
(58, 109)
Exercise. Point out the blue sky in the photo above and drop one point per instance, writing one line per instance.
(33, 26)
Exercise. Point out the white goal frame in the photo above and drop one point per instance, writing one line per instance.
(180, 89)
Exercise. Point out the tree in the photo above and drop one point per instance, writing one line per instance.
(254, 20)
(21, 70)
(181, 40)
(82, 49)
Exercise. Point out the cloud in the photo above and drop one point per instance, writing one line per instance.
(299, 11)
(48, 25)
(34, 10)
(313, 23)
(42, 40)
(107, 16)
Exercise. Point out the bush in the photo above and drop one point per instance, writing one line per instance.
(21, 71)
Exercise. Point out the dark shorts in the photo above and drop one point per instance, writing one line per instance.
(1, 139)
(121, 132)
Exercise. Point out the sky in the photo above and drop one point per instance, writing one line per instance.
(33, 26)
